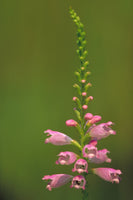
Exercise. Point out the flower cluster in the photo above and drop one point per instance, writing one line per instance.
(90, 129)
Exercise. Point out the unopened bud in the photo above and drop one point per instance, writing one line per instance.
(87, 86)
(85, 53)
(84, 107)
(82, 68)
(95, 119)
(74, 98)
(84, 43)
(83, 81)
(88, 116)
(86, 63)
(71, 122)
(81, 58)
(77, 87)
(87, 74)
(84, 94)
(90, 98)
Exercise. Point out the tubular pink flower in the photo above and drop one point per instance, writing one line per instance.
(66, 158)
(90, 150)
(78, 182)
(57, 138)
(101, 131)
(84, 107)
(81, 166)
(95, 119)
(88, 116)
(101, 157)
(108, 174)
(57, 180)
(71, 122)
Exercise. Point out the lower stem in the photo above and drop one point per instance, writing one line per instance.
(85, 193)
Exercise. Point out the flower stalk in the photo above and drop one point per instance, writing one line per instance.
(86, 125)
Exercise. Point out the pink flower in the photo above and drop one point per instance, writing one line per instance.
(57, 180)
(80, 166)
(101, 157)
(101, 131)
(71, 122)
(78, 182)
(66, 158)
(88, 116)
(57, 138)
(90, 150)
(108, 174)
(95, 119)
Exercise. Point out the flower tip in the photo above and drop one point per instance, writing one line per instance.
(108, 160)
(46, 141)
(56, 162)
(112, 132)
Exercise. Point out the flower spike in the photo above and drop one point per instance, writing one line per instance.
(86, 126)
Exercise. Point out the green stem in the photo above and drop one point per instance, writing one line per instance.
(85, 193)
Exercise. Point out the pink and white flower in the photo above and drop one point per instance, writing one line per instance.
(101, 156)
(57, 138)
(57, 180)
(78, 182)
(100, 131)
(108, 174)
(90, 150)
(80, 166)
(66, 158)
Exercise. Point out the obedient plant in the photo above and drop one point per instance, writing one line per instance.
(86, 125)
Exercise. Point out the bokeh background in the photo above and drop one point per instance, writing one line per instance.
(37, 63)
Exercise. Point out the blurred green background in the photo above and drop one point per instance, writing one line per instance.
(37, 63)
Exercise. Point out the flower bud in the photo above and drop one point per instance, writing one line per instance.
(88, 116)
(84, 107)
(82, 68)
(95, 119)
(84, 94)
(87, 86)
(71, 122)
(90, 98)
(83, 81)
(74, 98)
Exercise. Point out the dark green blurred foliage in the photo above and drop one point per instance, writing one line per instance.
(37, 64)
